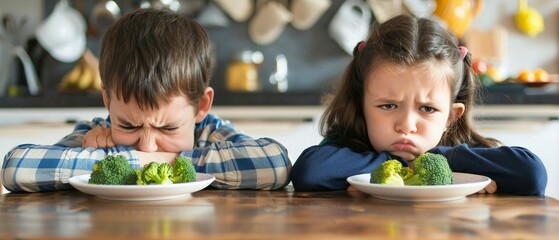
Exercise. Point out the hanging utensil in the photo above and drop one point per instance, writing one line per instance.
(104, 14)
(14, 48)
(350, 24)
(28, 69)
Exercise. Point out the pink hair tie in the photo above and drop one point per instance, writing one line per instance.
(361, 45)
(463, 51)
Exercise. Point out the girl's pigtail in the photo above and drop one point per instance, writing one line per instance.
(463, 131)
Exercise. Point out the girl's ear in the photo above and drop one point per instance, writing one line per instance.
(205, 104)
(456, 113)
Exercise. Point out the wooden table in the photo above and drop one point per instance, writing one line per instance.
(234, 214)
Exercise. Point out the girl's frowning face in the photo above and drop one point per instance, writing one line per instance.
(408, 109)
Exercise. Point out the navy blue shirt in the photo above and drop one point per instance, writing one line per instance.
(516, 170)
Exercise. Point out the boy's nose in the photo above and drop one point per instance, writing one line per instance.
(407, 123)
(147, 143)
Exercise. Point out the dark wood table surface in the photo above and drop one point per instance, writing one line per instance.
(243, 214)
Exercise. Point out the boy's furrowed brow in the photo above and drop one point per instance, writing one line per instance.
(167, 125)
(124, 122)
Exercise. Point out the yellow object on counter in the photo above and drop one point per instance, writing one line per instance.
(242, 73)
(493, 72)
(528, 20)
(84, 76)
(537, 75)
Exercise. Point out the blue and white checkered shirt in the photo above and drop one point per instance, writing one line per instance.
(236, 160)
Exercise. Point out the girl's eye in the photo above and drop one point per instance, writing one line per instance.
(427, 109)
(388, 106)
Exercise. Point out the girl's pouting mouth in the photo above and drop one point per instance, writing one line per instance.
(404, 145)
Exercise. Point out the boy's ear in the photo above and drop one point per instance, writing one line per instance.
(205, 104)
(456, 113)
(105, 97)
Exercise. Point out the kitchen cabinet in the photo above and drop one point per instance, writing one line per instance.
(541, 136)
(530, 126)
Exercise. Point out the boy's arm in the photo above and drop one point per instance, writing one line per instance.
(33, 168)
(237, 160)
(326, 167)
(516, 170)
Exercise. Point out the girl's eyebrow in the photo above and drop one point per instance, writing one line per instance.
(381, 98)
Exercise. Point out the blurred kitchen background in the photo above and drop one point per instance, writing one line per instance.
(275, 61)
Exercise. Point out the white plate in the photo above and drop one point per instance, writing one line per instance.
(464, 184)
(141, 192)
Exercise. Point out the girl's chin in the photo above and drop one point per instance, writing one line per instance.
(405, 155)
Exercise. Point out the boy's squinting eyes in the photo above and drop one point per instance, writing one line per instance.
(170, 128)
(125, 125)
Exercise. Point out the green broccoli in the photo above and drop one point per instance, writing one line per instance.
(113, 170)
(140, 178)
(430, 169)
(183, 170)
(155, 173)
(391, 172)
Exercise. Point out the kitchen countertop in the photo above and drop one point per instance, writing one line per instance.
(498, 94)
(283, 214)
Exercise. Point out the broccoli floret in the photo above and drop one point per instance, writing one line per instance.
(165, 172)
(140, 179)
(155, 173)
(113, 170)
(183, 170)
(391, 172)
(430, 169)
(147, 173)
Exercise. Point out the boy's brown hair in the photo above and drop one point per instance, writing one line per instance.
(152, 55)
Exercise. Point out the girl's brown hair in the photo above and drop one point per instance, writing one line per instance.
(153, 55)
(406, 41)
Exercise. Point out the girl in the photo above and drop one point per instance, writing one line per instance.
(410, 89)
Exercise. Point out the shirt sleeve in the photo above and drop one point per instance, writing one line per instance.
(236, 160)
(516, 170)
(327, 166)
(35, 168)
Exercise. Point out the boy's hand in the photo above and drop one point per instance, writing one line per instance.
(98, 137)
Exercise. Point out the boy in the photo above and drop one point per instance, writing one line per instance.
(155, 66)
